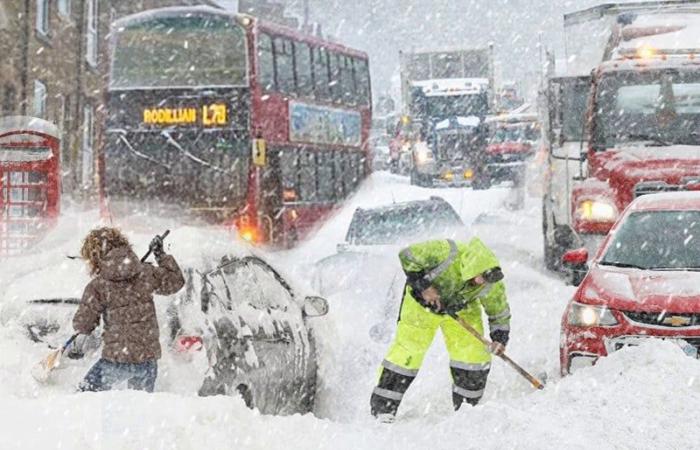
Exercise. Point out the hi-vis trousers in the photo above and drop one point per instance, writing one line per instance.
(470, 360)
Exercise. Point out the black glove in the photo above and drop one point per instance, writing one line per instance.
(156, 247)
(500, 336)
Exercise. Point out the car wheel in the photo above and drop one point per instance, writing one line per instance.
(555, 247)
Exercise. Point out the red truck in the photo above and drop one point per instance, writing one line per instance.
(643, 117)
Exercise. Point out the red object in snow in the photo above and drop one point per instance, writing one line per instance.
(30, 181)
(644, 282)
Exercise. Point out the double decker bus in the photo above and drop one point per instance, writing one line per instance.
(231, 118)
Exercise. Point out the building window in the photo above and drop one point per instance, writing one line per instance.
(8, 100)
(42, 16)
(88, 145)
(39, 99)
(91, 33)
(64, 7)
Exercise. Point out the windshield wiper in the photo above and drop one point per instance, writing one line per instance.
(643, 137)
(621, 264)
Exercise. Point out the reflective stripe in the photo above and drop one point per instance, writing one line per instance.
(400, 370)
(443, 266)
(466, 393)
(470, 366)
(499, 328)
(505, 314)
(386, 393)
(487, 290)
(408, 254)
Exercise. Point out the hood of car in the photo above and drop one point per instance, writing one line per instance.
(642, 290)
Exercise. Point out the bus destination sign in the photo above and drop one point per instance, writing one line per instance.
(212, 115)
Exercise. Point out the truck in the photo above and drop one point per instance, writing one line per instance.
(638, 128)
(446, 94)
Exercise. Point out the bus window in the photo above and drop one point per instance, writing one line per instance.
(335, 84)
(347, 80)
(307, 176)
(338, 168)
(350, 171)
(321, 78)
(289, 164)
(180, 52)
(325, 176)
(266, 63)
(362, 77)
(284, 64)
(302, 57)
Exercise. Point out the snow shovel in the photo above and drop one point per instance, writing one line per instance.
(41, 371)
(533, 380)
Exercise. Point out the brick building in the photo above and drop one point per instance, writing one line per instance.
(55, 65)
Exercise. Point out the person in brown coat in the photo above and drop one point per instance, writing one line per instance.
(121, 293)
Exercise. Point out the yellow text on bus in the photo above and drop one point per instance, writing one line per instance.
(214, 115)
(169, 116)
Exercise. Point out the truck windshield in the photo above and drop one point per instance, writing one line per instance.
(659, 107)
(184, 51)
(657, 240)
(442, 107)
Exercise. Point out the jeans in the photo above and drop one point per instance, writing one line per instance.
(105, 374)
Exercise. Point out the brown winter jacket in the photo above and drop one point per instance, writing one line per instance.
(122, 294)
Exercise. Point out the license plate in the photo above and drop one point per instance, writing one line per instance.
(632, 341)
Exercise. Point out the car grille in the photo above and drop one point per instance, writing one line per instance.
(664, 320)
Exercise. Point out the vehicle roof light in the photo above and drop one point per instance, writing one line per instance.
(646, 52)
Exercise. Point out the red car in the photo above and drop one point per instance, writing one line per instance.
(643, 283)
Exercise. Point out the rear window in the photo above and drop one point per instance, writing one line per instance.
(394, 225)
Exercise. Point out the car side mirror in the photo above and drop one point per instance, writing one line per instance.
(342, 247)
(315, 306)
(575, 263)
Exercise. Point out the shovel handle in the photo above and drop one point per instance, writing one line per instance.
(148, 253)
(524, 373)
(69, 342)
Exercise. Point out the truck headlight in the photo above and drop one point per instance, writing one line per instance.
(422, 153)
(597, 211)
(581, 315)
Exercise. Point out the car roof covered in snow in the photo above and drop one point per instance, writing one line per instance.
(667, 201)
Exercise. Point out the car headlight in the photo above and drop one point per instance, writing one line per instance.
(422, 153)
(597, 211)
(581, 315)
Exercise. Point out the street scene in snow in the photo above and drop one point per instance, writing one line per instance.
(379, 224)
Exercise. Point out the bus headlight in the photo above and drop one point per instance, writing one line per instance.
(581, 315)
(597, 211)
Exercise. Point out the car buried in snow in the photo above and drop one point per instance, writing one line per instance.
(238, 327)
(375, 236)
(643, 283)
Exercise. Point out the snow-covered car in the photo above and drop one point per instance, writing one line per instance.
(375, 236)
(644, 282)
(237, 327)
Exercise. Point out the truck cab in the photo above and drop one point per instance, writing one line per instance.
(638, 134)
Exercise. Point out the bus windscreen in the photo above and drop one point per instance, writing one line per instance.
(185, 51)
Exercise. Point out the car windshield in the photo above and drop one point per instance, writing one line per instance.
(660, 107)
(394, 225)
(662, 240)
(444, 106)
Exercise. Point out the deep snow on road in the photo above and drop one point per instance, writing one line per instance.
(640, 397)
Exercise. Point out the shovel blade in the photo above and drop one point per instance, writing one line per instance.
(43, 368)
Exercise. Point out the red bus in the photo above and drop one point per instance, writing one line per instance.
(30, 181)
(231, 118)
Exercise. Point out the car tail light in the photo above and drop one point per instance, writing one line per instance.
(185, 344)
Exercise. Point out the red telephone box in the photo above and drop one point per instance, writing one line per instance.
(30, 181)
